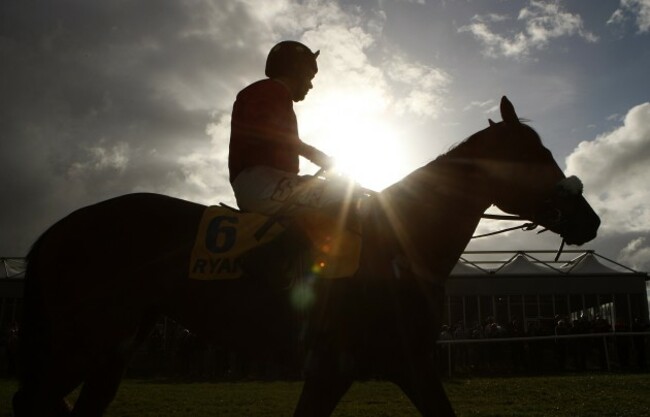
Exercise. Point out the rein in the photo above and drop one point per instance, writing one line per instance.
(526, 226)
(568, 186)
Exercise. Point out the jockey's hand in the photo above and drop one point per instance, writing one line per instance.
(317, 156)
(323, 160)
(327, 163)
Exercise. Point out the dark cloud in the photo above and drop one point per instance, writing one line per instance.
(104, 98)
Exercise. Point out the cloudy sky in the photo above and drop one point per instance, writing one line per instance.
(104, 98)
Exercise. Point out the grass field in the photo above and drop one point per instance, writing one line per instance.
(598, 395)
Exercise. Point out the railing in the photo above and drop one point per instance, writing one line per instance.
(449, 344)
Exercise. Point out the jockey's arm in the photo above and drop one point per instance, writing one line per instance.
(316, 156)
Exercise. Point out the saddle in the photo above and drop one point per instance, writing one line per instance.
(231, 244)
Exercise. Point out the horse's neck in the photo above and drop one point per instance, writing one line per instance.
(434, 212)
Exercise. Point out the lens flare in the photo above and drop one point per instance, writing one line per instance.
(302, 295)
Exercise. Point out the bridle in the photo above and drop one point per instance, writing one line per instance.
(569, 187)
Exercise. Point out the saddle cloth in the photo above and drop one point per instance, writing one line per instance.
(225, 235)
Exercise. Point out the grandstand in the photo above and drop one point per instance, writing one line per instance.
(534, 287)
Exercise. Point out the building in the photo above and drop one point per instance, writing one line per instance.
(535, 288)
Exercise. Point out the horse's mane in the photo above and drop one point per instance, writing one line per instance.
(469, 144)
(469, 149)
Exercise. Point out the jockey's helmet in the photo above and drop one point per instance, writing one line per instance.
(290, 58)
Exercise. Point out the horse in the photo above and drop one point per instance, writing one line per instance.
(99, 279)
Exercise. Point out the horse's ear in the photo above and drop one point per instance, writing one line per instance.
(508, 111)
(491, 122)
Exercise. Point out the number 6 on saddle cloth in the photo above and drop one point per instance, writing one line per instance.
(228, 245)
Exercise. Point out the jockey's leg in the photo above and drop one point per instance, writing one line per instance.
(272, 192)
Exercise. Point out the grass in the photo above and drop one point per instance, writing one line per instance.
(597, 395)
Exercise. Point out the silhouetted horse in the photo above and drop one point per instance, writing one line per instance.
(98, 280)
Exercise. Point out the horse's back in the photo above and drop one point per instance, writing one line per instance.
(130, 226)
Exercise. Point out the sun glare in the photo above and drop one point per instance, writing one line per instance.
(365, 145)
(369, 154)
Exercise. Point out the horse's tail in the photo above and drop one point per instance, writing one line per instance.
(34, 330)
(34, 337)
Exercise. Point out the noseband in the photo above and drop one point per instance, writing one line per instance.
(567, 189)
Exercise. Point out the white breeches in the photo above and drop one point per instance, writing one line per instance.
(270, 191)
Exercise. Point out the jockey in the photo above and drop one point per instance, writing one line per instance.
(265, 145)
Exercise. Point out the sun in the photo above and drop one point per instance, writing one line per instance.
(364, 142)
(369, 153)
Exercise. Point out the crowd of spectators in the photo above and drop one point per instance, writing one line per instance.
(181, 353)
(560, 344)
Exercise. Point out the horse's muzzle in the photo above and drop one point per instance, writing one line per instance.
(582, 224)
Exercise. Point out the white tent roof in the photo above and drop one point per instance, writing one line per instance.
(588, 264)
(463, 268)
(538, 262)
(521, 265)
(12, 268)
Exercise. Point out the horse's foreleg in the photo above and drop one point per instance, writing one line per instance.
(324, 387)
(421, 384)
